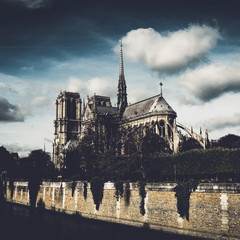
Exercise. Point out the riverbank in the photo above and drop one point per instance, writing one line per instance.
(206, 210)
(18, 222)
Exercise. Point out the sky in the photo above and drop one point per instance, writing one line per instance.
(48, 46)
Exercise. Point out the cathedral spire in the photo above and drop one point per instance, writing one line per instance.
(122, 88)
(121, 60)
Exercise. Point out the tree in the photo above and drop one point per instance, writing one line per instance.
(229, 141)
(189, 144)
(152, 143)
(6, 160)
(7, 164)
(38, 163)
(130, 139)
(40, 167)
(80, 160)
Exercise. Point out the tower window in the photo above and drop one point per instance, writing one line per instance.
(161, 123)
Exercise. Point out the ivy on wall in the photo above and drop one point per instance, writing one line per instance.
(74, 184)
(127, 193)
(142, 193)
(85, 190)
(61, 190)
(118, 189)
(97, 185)
(183, 191)
(33, 186)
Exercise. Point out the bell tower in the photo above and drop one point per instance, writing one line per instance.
(68, 122)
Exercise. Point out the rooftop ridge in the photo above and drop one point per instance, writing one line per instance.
(145, 100)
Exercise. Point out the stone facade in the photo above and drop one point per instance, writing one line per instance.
(214, 208)
(67, 124)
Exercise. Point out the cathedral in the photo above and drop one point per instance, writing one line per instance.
(74, 117)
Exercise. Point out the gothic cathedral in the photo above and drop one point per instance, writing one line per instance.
(74, 117)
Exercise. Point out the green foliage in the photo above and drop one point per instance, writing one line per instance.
(118, 189)
(158, 167)
(127, 193)
(208, 163)
(6, 160)
(189, 144)
(229, 141)
(113, 167)
(37, 163)
(81, 162)
(152, 143)
(183, 191)
(133, 140)
(142, 193)
(97, 185)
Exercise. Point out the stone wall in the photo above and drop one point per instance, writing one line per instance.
(214, 209)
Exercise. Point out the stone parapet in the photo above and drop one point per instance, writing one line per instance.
(214, 208)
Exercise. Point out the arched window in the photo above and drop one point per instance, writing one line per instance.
(161, 123)
(162, 128)
(169, 132)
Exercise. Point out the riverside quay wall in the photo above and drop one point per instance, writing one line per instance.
(214, 208)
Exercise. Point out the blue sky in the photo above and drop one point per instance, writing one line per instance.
(48, 46)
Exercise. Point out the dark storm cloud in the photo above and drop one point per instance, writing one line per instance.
(34, 31)
(224, 122)
(10, 112)
(33, 4)
(212, 81)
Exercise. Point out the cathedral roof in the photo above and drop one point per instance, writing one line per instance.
(151, 106)
(107, 110)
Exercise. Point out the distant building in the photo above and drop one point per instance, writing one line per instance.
(154, 114)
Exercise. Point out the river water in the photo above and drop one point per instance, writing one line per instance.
(18, 223)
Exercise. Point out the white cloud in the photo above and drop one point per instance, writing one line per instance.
(39, 101)
(22, 150)
(211, 81)
(4, 87)
(99, 86)
(171, 52)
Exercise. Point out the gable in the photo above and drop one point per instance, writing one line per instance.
(150, 106)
